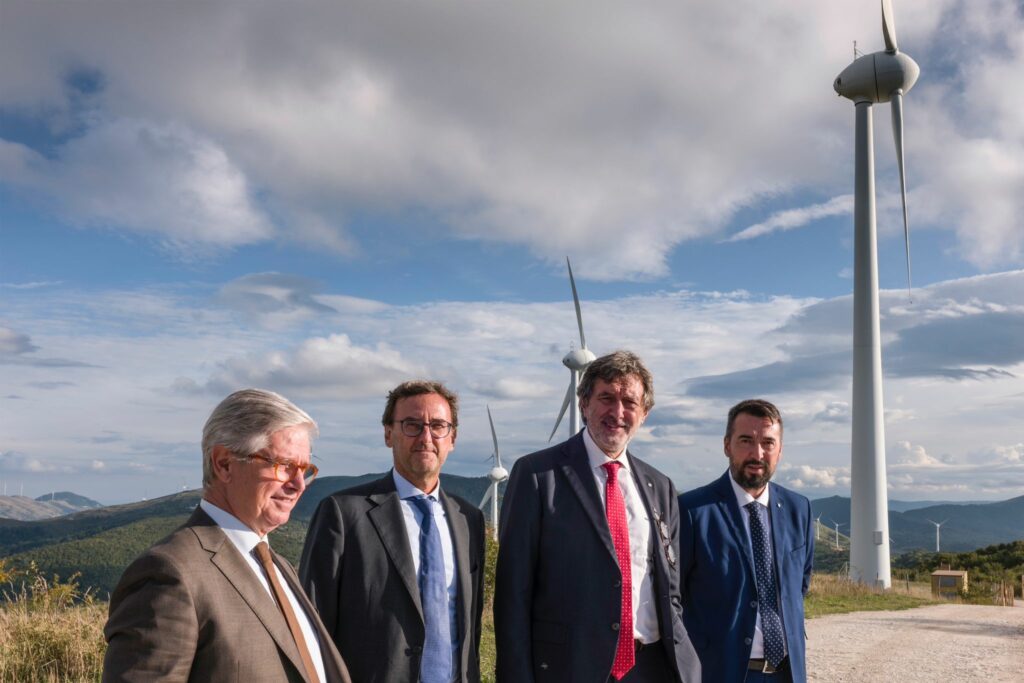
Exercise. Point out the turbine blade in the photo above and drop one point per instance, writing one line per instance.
(487, 496)
(576, 300)
(494, 435)
(896, 104)
(889, 27)
(561, 413)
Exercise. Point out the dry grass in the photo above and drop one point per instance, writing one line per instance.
(50, 631)
(836, 594)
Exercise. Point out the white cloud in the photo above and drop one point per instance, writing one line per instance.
(796, 218)
(809, 479)
(158, 178)
(604, 136)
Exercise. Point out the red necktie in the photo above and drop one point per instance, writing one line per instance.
(615, 508)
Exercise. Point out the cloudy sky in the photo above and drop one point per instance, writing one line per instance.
(327, 198)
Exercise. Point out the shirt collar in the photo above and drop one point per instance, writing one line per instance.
(408, 490)
(240, 535)
(597, 457)
(743, 497)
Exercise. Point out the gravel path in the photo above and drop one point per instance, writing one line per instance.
(927, 644)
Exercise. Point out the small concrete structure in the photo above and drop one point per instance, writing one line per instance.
(948, 583)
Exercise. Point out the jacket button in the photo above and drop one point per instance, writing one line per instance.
(416, 649)
(615, 626)
(747, 641)
(753, 604)
(618, 583)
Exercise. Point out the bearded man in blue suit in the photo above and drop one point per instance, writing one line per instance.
(746, 549)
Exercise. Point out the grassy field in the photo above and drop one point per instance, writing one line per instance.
(834, 594)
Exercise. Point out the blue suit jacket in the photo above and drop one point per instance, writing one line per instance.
(717, 574)
(556, 599)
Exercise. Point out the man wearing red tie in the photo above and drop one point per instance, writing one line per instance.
(587, 584)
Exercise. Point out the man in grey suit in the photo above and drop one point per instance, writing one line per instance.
(212, 602)
(587, 586)
(396, 566)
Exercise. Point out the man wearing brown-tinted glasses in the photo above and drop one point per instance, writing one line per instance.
(212, 602)
(395, 567)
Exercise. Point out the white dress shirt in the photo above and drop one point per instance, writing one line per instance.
(742, 499)
(645, 613)
(413, 517)
(245, 540)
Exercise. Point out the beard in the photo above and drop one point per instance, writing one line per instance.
(755, 481)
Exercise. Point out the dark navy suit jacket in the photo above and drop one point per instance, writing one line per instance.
(717, 574)
(556, 600)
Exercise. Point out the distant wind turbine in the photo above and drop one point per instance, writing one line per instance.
(577, 361)
(873, 78)
(837, 525)
(497, 475)
(938, 525)
(817, 527)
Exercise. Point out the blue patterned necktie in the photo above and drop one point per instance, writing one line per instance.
(767, 596)
(436, 665)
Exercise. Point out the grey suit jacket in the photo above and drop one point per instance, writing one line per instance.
(191, 609)
(358, 570)
(556, 601)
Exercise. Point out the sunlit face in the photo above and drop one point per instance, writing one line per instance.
(252, 493)
(753, 449)
(419, 458)
(613, 412)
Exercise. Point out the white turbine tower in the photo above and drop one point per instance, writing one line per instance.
(497, 475)
(877, 77)
(817, 527)
(837, 524)
(938, 525)
(577, 361)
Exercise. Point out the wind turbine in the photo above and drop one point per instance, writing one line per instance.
(938, 525)
(817, 527)
(497, 475)
(874, 78)
(837, 525)
(577, 361)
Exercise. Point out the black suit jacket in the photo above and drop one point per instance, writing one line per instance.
(556, 602)
(358, 570)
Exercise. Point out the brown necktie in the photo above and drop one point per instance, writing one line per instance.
(263, 553)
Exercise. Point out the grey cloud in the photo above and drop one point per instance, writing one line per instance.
(15, 343)
(260, 294)
(613, 136)
(807, 372)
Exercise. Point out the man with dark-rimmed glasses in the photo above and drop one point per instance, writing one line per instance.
(212, 602)
(395, 567)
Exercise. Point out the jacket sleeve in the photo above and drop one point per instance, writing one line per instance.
(514, 576)
(809, 557)
(152, 630)
(320, 564)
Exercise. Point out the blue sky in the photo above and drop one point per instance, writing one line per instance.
(198, 197)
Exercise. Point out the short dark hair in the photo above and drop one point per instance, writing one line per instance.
(758, 407)
(614, 366)
(417, 387)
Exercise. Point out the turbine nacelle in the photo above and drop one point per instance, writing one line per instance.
(498, 474)
(578, 359)
(877, 76)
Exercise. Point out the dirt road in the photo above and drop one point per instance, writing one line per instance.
(927, 644)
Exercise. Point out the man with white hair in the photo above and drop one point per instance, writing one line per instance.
(212, 602)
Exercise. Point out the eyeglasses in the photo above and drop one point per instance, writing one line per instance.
(439, 429)
(284, 470)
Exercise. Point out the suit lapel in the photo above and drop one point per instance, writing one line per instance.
(780, 530)
(240, 575)
(334, 667)
(576, 467)
(734, 519)
(459, 527)
(387, 518)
